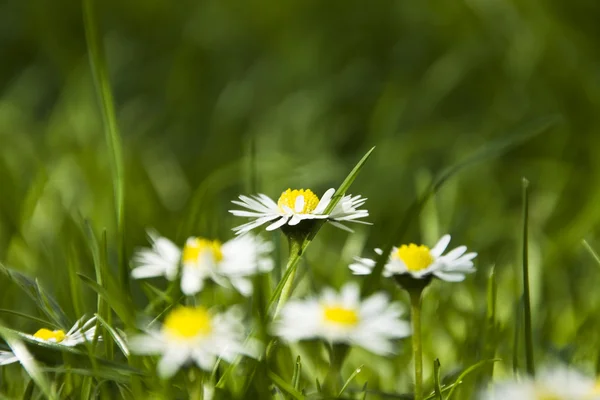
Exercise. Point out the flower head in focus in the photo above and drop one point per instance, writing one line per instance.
(560, 383)
(232, 262)
(295, 206)
(81, 332)
(420, 262)
(343, 318)
(193, 334)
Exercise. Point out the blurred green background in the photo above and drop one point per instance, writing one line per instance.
(216, 98)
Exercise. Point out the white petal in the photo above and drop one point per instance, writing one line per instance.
(454, 254)
(147, 271)
(244, 286)
(299, 204)
(146, 344)
(440, 246)
(295, 220)
(171, 361)
(191, 281)
(324, 202)
(277, 224)
(449, 277)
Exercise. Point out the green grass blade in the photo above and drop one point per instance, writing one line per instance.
(465, 373)
(491, 331)
(113, 298)
(526, 294)
(115, 336)
(349, 380)
(113, 139)
(592, 252)
(284, 386)
(297, 373)
(28, 362)
(41, 322)
(46, 303)
(489, 151)
(436, 379)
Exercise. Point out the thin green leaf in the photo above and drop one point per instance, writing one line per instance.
(436, 379)
(350, 378)
(46, 303)
(116, 336)
(41, 322)
(592, 252)
(114, 299)
(111, 130)
(28, 362)
(526, 294)
(284, 386)
(297, 373)
(466, 372)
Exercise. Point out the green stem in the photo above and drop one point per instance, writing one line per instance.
(415, 310)
(333, 380)
(526, 293)
(294, 257)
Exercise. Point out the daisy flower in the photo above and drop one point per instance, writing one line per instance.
(195, 335)
(557, 384)
(232, 262)
(81, 332)
(421, 262)
(295, 206)
(343, 318)
(7, 357)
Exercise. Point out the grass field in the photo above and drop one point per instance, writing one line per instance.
(476, 119)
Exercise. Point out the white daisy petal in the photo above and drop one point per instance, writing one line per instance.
(277, 224)
(7, 357)
(299, 205)
(440, 246)
(171, 361)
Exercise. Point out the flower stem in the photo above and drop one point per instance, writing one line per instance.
(294, 257)
(415, 310)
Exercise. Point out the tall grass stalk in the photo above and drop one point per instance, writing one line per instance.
(417, 348)
(526, 294)
(99, 68)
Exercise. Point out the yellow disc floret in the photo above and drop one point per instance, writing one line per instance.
(288, 199)
(416, 258)
(340, 315)
(187, 322)
(48, 335)
(195, 247)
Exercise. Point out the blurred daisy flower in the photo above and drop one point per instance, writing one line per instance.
(193, 334)
(230, 263)
(81, 332)
(343, 318)
(7, 357)
(421, 262)
(295, 206)
(557, 384)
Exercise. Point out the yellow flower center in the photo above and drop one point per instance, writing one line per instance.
(188, 322)
(47, 335)
(415, 257)
(340, 315)
(195, 247)
(288, 198)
